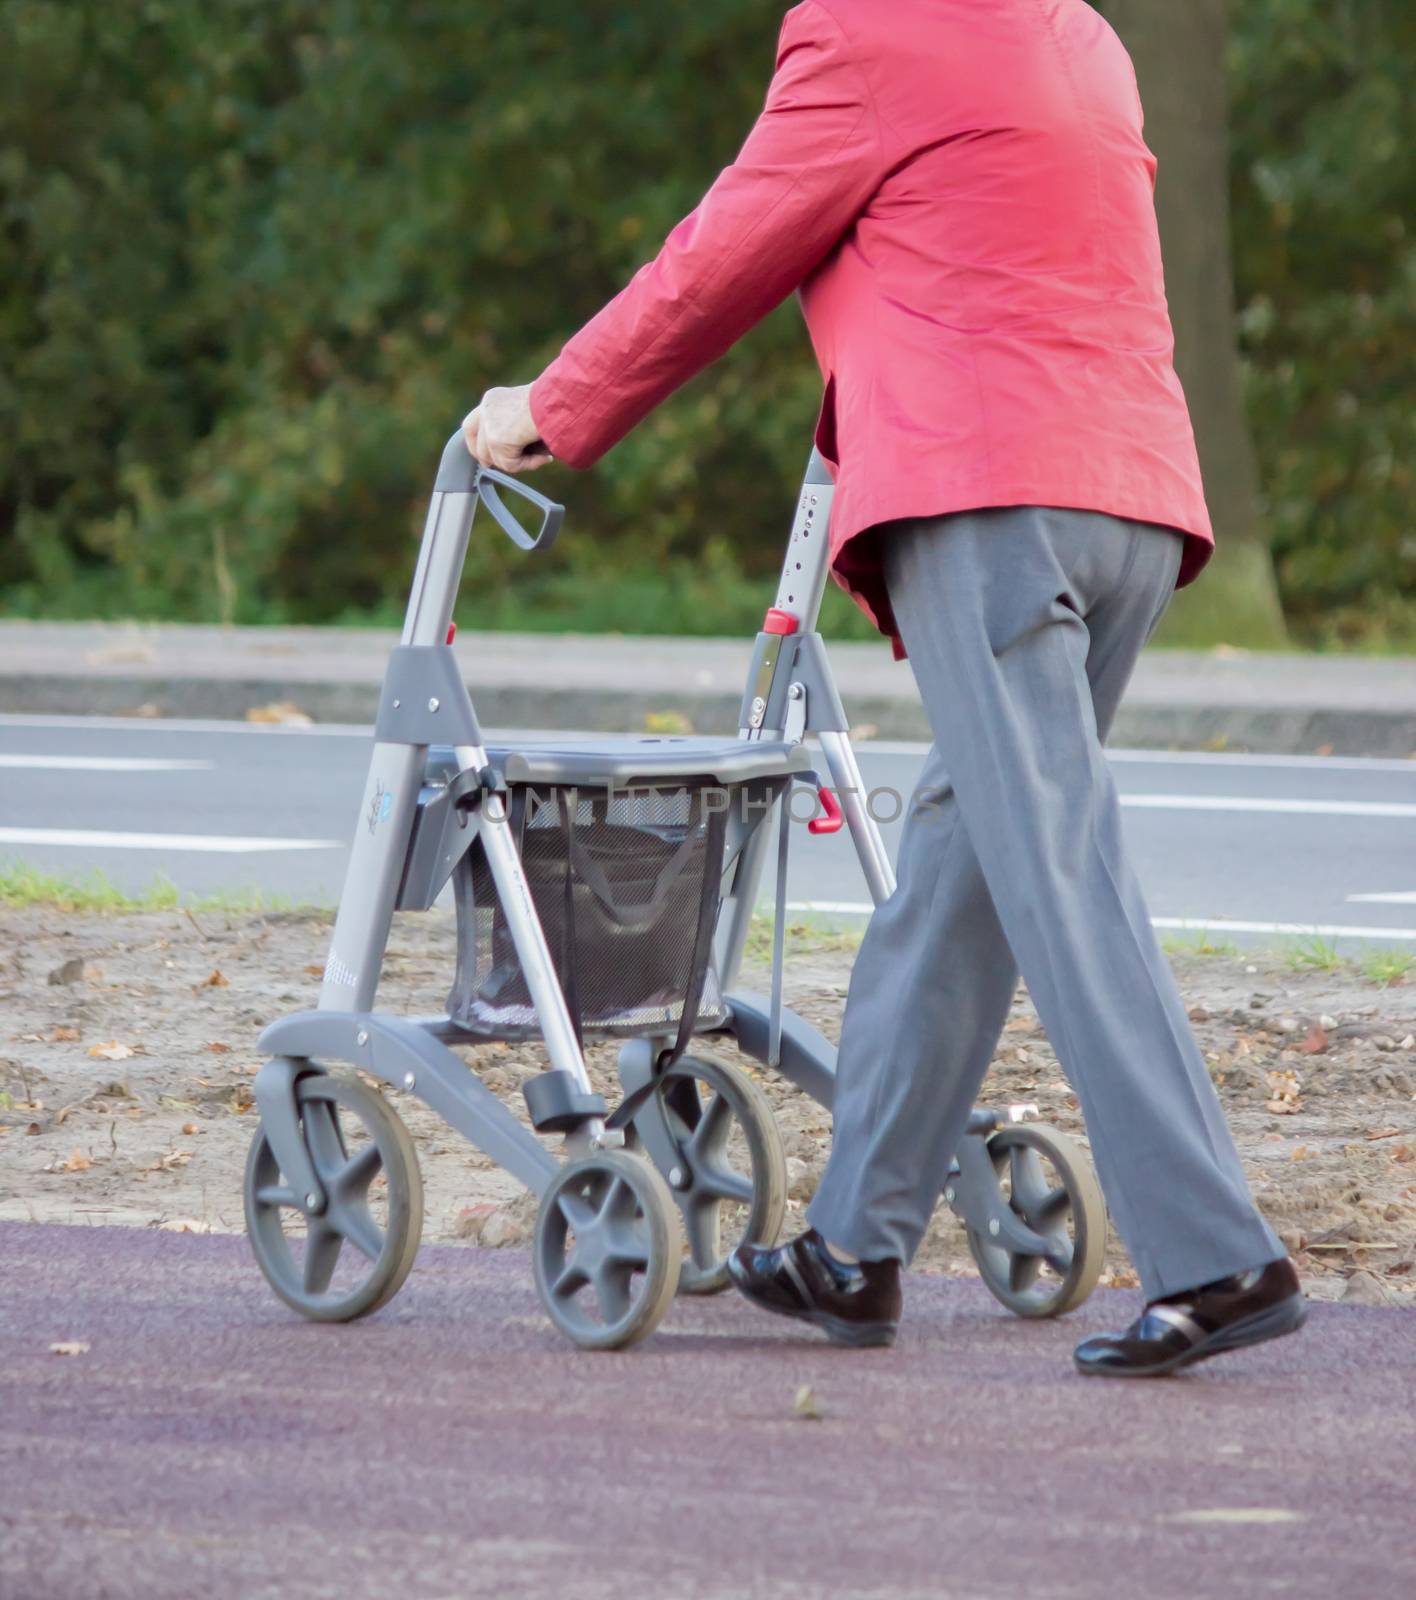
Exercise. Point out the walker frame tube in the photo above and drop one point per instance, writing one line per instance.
(344, 1026)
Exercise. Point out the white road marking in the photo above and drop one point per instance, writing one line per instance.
(1238, 758)
(34, 719)
(884, 747)
(1262, 804)
(833, 908)
(201, 843)
(1324, 930)
(1186, 758)
(1402, 897)
(103, 764)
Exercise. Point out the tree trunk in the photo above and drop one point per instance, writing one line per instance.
(1178, 47)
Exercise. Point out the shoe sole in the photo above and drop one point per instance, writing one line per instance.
(1284, 1318)
(853, 1335)
(840, 1331)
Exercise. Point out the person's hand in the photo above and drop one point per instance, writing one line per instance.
(500, 433)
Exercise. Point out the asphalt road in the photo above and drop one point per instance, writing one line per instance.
(1259, 847)
(209, 1443)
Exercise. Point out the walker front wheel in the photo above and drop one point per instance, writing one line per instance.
(1055, 1258)
(352, 1257)
(607, 1250)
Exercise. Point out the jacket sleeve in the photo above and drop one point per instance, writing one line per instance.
(807, 170)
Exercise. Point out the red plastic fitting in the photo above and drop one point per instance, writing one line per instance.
(451, 632)
(779, 622)
(834, 817)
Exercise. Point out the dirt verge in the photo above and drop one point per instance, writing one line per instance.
(128, 1045)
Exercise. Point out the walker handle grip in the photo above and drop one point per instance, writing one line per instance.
(552, 514)
(458, 473)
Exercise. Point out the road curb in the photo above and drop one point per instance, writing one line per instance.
(1284, 730)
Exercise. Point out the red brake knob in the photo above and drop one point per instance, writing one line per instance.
(834, 816)
(451, 632)
(779, 622)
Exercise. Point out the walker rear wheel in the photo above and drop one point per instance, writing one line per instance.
(607, 1250)
(352, 1257)
(1048, 1184)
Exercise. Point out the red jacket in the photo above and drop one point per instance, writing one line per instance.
(961, 192)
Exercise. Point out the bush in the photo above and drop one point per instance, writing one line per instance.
(1324, 195)
(261, 256)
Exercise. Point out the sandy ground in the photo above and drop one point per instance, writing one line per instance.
(128, 1045)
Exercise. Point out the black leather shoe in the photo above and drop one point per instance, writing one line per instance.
(1263, 1303)
(853, 1304)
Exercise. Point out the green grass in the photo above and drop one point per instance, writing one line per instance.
(802, 938)
(1200, 944)
(1315, 955)
(1387, 966)
(22, 886)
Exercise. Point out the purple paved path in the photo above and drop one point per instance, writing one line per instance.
(210, 1445)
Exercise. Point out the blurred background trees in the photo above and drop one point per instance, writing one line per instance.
(260, 257)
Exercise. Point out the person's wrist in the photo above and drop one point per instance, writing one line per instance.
(538, 409)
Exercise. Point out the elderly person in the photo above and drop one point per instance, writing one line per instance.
(960, 192)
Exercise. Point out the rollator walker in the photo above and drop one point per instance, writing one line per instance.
(604, 888)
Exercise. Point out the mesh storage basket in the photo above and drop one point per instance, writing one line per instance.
(626, 883)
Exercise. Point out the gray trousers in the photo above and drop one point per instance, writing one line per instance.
(1023, 626)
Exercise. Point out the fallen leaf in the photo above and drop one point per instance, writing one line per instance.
(282, 712)
(61, 1034)
(471, 1220)
(1301, 1153)
(77, 1162)
(34, 1128)
(314, 972)
(173, 1158)
(215, 979)
(1403, 1153)
(806, 1405)
(70, 1347)
(1284, 1097)
(219, 1049)
(666, 722)
(190, 1128)
(1316, 1042)
(112, 1051)
(183, 1225)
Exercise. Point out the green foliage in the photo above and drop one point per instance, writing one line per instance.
(1386, 967)
(261, 256)
(1324, 201)
(1314, 954)
(24, 885)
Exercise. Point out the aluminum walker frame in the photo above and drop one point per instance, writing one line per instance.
(434, 785)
